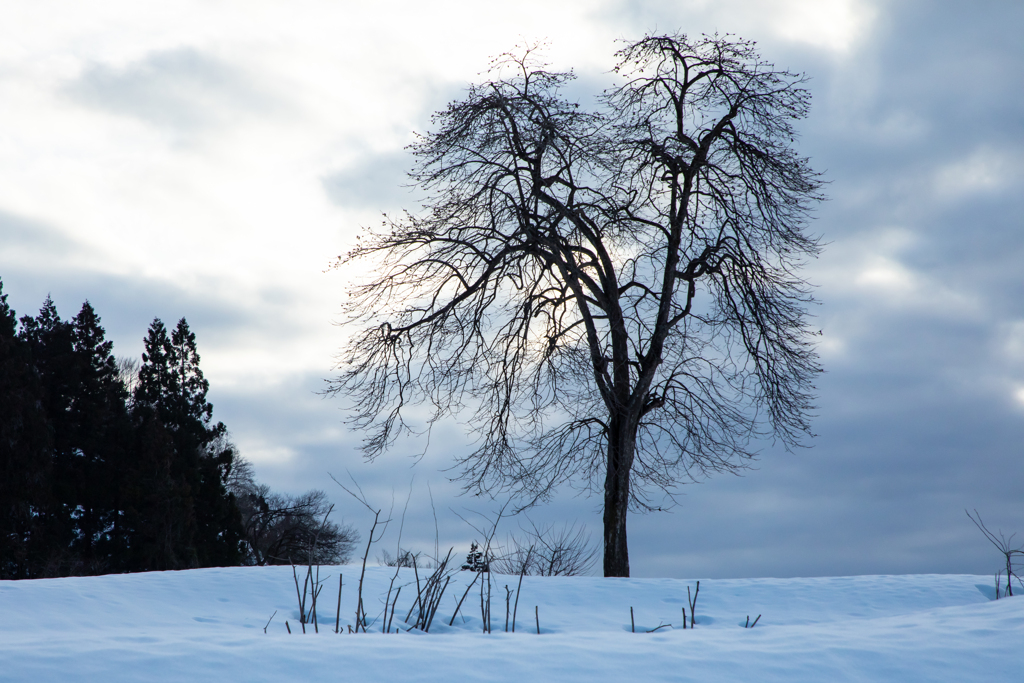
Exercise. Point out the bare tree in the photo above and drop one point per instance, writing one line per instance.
(547, 550)
(281, 529)
(403, 558)
(613, 294)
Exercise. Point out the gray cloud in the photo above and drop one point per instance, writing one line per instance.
(378, 181)
(183, 91)
(26, 236)
(126, 304)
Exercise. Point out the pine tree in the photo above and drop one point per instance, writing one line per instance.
(50, 342)
(173, 391)
(25, 455)
(476, 561)
(101, 435)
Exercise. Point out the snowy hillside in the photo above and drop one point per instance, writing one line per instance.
(207, 624)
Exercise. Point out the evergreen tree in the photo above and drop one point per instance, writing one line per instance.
(25, 455)
(83, 400)
(173, 390)
(158, 519)
(100, 438)
(50, 342)
(95, 479)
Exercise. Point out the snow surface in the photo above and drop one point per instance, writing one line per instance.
(207, 624)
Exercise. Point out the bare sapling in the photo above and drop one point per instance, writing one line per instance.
(387, 626)
(1008, 550)
(402, 559)
(459, 605)
(482, 563)
(270, 620)
(749, 625)
(519, 588)
(485, 601)
(311, 584)
(360, 612)
(693, 604)
(361, 622)
(301, 597)
(430, 592)
(317, 585)
(508, 600)
(337, 615)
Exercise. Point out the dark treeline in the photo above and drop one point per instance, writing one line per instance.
(110, 466)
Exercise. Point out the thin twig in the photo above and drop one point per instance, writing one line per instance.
(337, 615)
(459, 606)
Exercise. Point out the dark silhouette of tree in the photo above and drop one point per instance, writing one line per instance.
(203, 525)
(613, 292)
(50, 341)
(25, 456)
(282, 529)
(104, 465)
(100, 438)
(158, 514)
(547, 551)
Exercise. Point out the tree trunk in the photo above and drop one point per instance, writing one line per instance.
(621, 448)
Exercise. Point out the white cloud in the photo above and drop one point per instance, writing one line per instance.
(1013, 341)
(887, 276)
(985, 170)
(835, 25)
(873, 268)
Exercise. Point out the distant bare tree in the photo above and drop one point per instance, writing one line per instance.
(281, 529)
(614, 292)
(128, 373)
(547, 551)
(403, 558)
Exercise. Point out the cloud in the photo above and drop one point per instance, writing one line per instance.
(832, 26)
(183, 91)
(375, 182)
(983, 171)
(25, 239)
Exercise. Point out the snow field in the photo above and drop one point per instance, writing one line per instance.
(207, 624)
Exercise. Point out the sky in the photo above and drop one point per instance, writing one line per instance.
(208, 160)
